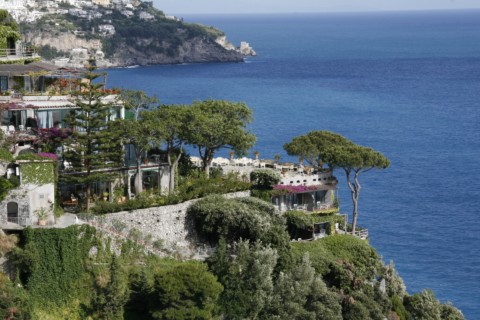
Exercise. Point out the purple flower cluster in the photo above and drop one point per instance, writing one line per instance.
(51, 156)
(296, 189)
(54, 133)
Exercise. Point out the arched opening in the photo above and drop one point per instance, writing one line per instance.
(12, 212)
(11, 46)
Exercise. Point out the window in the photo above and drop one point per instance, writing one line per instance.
(52, 118)
(3, 83)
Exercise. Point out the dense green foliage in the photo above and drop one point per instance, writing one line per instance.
(216, 218)
(71, 274)
(171, 128)
(38, 173)
(93, 146)
(7, 185)
(190, 188)
(319, 147)
(13, 300)
(53, 261)
(5, 155)
(264, 178)
(219, 124)
(300, 224)
(253, 290)
(346, 248)
(310, 147)
(424, 305)
(8, 29)
(234, 219)
(185, 291)
(169, 289)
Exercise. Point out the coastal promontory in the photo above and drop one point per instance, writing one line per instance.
(124, 35)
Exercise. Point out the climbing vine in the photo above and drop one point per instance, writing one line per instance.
(56, 261)
(5, 155)
(38, 173)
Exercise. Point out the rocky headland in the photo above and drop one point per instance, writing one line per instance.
(125, 36)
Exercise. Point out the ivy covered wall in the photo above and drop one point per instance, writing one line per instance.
(37, 172)
(8, 29)
(56, 264)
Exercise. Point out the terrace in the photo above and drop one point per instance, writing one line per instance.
(301, 187)
(19, 54)
(38, 96)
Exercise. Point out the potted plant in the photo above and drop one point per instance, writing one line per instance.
(42, 214)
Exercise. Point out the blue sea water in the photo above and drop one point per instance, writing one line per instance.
(407, 84)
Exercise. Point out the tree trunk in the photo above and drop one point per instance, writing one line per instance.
(207, 170)
(171, 178)
(138, 178)
(172, 166)
(89, 194)
(207, 159)
(355, 193)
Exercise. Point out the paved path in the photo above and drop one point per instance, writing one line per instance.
(67, 219)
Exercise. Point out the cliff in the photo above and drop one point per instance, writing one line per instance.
(138, 35)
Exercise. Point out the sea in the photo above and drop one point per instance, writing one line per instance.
(404, 83)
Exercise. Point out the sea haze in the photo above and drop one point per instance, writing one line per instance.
(406, 84)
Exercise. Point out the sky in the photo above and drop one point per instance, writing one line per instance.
(300, 6)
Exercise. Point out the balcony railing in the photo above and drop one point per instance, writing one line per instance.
(362, 234)
(318, 207)
(27, 52)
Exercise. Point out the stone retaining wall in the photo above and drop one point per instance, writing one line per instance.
(167, 223)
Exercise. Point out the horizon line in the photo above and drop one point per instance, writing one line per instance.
(321, 12)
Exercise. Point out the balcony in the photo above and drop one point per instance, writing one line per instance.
(19, 54)
(299, 177)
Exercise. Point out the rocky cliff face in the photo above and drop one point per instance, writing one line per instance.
(144, 36)
(195, 50)
(63, 41)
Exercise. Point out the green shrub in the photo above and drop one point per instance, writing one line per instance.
(5, 155)
(53, 264)
(300, 224)
(355, 251)
(216, 217)
(5, 186)
(31, 156)
(190, 188)
(326, 252)
(158, 244)
(398, 308)
(186, 290)
(265, 178)
(423, 306)
(262, 194)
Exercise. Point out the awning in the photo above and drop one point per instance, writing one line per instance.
(25, 69)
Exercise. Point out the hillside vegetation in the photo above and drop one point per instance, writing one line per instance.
(146, 36)
(255, 273)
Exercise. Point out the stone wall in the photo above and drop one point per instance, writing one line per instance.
(28, 198)
(166, 223)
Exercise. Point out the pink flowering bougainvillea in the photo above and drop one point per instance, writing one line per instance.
(48, 155)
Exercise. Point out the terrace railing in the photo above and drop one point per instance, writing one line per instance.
(362, 234)
(26, 52)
